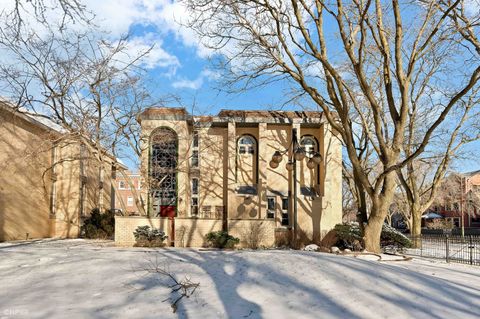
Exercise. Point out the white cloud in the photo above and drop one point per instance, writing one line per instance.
(156, 57)
(188, 84)
(198, 82)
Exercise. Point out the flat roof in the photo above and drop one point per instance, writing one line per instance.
(225, 116)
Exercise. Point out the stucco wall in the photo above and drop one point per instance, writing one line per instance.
(40, 183)
(24, 199)
(220, 175)
(259, 232)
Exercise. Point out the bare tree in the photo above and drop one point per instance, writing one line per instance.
(20, 11)
(383, 50)
(89, 87)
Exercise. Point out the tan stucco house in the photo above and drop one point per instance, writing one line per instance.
(49, 180)
(208, 173)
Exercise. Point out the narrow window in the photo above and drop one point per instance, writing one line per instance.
(195, 186)
(195, 159)
(130, 201)
(285, 221)
(122, 185)
(194, 207)
(271, 207)
(195, 139)
(246, 170)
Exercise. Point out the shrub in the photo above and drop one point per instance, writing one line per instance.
(349, 236)
(221, 239)
(391, 236)
(98, 225)
(146, 237)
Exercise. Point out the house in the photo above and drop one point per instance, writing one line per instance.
(232, 172)
(458, 200)
(49, 180)
(128, 188)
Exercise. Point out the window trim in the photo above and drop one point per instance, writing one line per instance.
(130, 201)
(120, 187)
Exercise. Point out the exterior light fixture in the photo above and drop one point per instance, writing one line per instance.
(273, 164)
(295, 153)
(289, 166)
(311, 163)
(317, 158)
(277, 157)
(299, 154)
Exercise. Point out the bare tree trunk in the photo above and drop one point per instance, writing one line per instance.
(416, 226)
(373, 230)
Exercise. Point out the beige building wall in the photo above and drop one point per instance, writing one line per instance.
(223, 172)
(24, 157)
(41, 176)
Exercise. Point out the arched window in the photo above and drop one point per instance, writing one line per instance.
(163, 172)
(246, 145)
(311, 176)
(309, 144)
(247, 161)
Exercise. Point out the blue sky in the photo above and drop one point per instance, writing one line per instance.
(178, 64)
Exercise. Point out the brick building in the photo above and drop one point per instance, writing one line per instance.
(460, 197)
(125, 195)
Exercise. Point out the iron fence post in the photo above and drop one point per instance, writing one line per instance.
(470, 248)
(447, 250)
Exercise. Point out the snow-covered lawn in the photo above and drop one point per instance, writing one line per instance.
(85, 279)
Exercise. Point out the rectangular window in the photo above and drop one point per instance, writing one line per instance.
(194, 207)
(285, 220)
(241, 150)
(195, 186)
(195, 159)
(130, 201)
(271, 207)
(195, 139)
(139, 184)
(251, 150)
(122, 185)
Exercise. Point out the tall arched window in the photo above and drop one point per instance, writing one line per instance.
(247, 161)
(309, 144)
(311, 177)
(163, 172)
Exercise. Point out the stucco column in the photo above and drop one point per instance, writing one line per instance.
(231, 176)
(332, 199)
(263, 160)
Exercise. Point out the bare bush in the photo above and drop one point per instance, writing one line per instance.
(254, 235)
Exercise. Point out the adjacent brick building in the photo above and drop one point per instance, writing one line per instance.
(125, 198)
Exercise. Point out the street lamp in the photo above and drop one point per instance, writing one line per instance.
(298, 154)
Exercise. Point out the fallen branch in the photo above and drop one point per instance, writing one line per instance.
(182, 288)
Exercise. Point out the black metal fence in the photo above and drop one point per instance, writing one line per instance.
(450, 248)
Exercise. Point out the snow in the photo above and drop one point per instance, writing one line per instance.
(93, 279)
